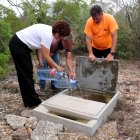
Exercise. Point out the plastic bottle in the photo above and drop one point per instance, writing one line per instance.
(62, 83)
(61, 78)
(73, 83)
(49, 74)
(66, 83)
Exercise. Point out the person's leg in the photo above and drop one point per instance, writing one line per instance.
(56, 59)
(22, 59)
(43, 82)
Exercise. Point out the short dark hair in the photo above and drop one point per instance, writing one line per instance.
(61, 27)
(95, 10)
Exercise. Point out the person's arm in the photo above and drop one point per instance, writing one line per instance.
(89, 47)
(47, 57)
(114, 40)
(67, 43)
(110, 56)
(39, 57)
(69, 64)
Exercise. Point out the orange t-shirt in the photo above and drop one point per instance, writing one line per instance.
(101, 33)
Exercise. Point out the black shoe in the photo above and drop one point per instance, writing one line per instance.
(54, 88)
(34, 105)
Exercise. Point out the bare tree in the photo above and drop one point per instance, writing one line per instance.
(17, 6)
(132, 12)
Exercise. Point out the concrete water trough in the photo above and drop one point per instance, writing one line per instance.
(86, 108)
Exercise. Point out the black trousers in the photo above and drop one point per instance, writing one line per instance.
(24, 67)
(101, 53)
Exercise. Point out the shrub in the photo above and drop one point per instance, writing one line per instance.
(4, 59)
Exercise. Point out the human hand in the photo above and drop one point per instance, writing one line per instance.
(72, 74)
(60, 69)
(109, 57)
(40, 65)
(91, 58)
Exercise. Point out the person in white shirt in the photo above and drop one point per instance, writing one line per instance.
(33, 38)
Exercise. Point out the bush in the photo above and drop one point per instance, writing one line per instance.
(4, 59)
(126, 47)
(5, 33)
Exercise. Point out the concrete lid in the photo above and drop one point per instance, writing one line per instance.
(98, 75)
(74, 106)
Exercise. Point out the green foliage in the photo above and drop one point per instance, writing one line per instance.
(4, 51)
(75, 13)
(4, 58)
(129, 16)
(36, 11)
(15, 23)
(70, 11)
(4, 12)
(125, 49)
(5, 31)
(9, 16)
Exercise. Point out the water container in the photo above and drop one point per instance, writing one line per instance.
(73, 83)
(49, 74)
(66, 83)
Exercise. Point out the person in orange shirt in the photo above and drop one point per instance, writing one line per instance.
(101, 34)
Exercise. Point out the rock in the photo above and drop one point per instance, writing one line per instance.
(29, 130)
(20, 134)
(46, 130)
(15, 121)
(27, 113)
(31, 122)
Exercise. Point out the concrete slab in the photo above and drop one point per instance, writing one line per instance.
(74, 106)
(98, 76)
(74, 125)
(88, 126)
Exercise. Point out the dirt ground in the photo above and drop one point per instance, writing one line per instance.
(123, 123)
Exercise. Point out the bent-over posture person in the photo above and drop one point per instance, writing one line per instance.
(101, 34)
(22, 43)
(56, 46)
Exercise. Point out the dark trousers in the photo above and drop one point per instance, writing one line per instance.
(101, 53)
(23, 63)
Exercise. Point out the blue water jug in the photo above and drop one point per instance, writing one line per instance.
(66, 83)
(49, 74)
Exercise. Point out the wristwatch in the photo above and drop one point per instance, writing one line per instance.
(112, 53)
